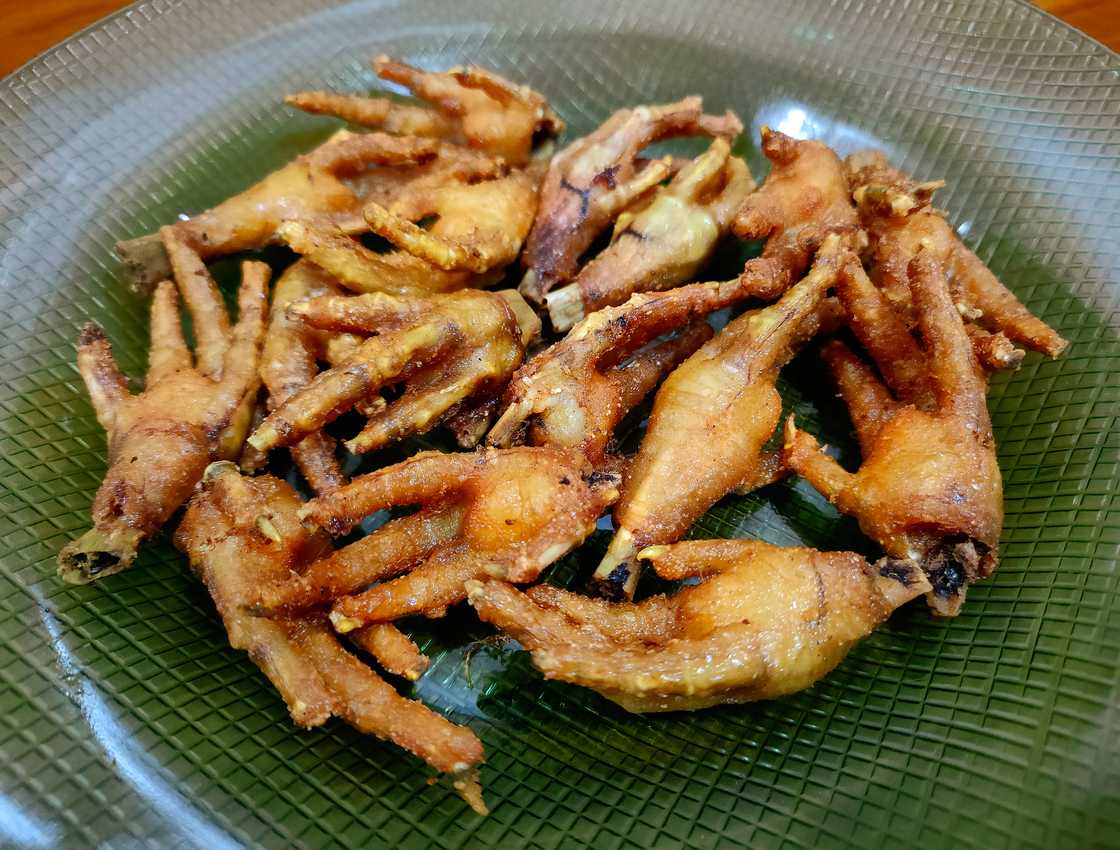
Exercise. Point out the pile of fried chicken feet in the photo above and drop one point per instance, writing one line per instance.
(459, 186)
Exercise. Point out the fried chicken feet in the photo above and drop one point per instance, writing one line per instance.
(161, 440)
(726, 389)
(929, 488)
(897, 213)
(473, 106)
(595, 178)
(507, 513)
(764, 622)
(290, 361)
(664, 244)
(803, 199)
(575, 393)
(445, 349)
(241, 533)
(316, 186)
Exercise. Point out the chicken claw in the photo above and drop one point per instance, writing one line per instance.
(665, 243)
(763, 622)
(507, 513)
(290, 361)
(325, 184)
(803, 199)
(595, 178)
(161, 439)
(726, 388)
(241, 533)
(929, 488)
(478, 227)
(575, 393)
(445, 348)
(897, 213)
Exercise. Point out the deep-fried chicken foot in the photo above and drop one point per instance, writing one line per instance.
(290, 361)
(241, 533)
(445, 349)
(898, 215)
(478, 227)
(595, 178)
(727, 388)
(663, 244)
(314, 186)
(472, 106)
(803, 200)
(161, 440)
(929, 488)
(764, 622)
(575, 393)
(508, 513)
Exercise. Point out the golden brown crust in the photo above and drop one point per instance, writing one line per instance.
(444, 349)
(575, 393)
(494, 512)
(488, 112)
(595, 178)
(929, 488)
(240, 533)
(662, 244)
(803, 199)
(763, 622)
(161, 439)
(897, 213)
(727, 388)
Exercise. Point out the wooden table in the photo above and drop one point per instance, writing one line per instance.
(31, 26)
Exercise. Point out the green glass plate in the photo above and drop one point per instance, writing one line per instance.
(125, 719)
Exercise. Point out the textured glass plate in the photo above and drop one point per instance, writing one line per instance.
(125, 719)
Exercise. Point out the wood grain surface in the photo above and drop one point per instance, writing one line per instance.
(28, 27)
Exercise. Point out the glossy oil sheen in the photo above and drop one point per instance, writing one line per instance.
(125, 719)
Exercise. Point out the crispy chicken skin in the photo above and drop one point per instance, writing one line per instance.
(663, 244)
(595, 178)
(188, 414)
(445, 349)
(897, 214)
(929, 488)
(472, 106)
(711, 418)
(507, 513)
(241, 533)
(803, 199)
(763, 622)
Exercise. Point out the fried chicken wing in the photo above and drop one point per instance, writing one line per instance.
(161, 439)
(575, 393)
(241, 533)
(763, 622)
(595, 178)
(444, 349)
(803, 199)
(929, 488)
(897, 213)
(663, 244)
(727, 388)
(508, 513)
